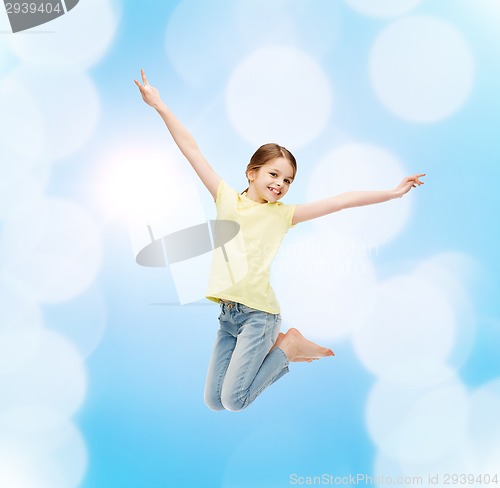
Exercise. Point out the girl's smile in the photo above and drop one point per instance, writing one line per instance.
(270, 182)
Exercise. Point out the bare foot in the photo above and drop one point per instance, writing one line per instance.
(298, 349)
(278, 342)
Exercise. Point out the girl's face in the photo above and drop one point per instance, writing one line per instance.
(270, 183)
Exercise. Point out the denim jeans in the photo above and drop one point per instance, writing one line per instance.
(241, 366)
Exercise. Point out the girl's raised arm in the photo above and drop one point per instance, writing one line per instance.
(350, 199)
(181, 136)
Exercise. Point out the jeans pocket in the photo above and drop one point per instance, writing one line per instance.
(272, 329)
(222, 311)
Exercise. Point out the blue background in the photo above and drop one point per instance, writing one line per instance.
(143, 420)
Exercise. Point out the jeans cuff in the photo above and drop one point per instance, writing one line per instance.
(284, 355)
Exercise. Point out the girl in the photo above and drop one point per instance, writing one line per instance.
(250, 353)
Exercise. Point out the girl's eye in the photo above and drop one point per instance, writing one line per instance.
(272, 174)
(288, 182)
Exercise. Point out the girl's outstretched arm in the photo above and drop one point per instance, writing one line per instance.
(350, 199)
(181, 136)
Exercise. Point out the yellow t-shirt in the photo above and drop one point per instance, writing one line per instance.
(246, 239)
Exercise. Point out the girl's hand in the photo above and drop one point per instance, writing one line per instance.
(149, 93)
(407, 184)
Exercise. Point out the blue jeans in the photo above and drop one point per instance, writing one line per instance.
(242, 367)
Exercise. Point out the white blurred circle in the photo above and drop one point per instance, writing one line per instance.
(16, 469)
(361, 167)
(273, 92)
(417, 424)
(82, 320)
(4, 25)
(207, 55)
(435, 423)
(137, 179)
(287, 447)
(22, 127)
(56, 458)
(483, 431)
(382, 8)
(22, 139)
(69, 456)
(21, 190)
(80, 38)
(53, 377)
(422, 69)
(488, 14)
(4, 52)
(384, 466)
(334, 271)
(298, 23)
(54, 92)
(491, 464)
(23, 422)
(409, 332)
(420, 472)
(51, 250)
(453, 272)
(20, 329)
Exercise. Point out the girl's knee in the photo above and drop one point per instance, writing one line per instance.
(213, 402)
(232, 401)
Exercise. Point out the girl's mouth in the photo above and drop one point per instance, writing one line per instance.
(276, 192)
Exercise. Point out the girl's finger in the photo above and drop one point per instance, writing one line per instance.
(144, 79)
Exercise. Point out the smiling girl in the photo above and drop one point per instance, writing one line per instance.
(250, 352)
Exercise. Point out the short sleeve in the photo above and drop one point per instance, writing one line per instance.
(225, 194)
(219, 191)
(289, 211)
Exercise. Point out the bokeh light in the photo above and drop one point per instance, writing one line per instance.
(53, 93)
(411, 325)
(383, 8)
(336, 270)
(136, 179)
(35, 458)
(292, 23)
(483, 430)
(360, 167)
(419, 423)
(74, 43)
(51, 250)
(20, 328)
(53, 376)
(422, 69)
(269, 88)
(22, 138)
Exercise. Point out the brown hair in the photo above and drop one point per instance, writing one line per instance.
(269, 152)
